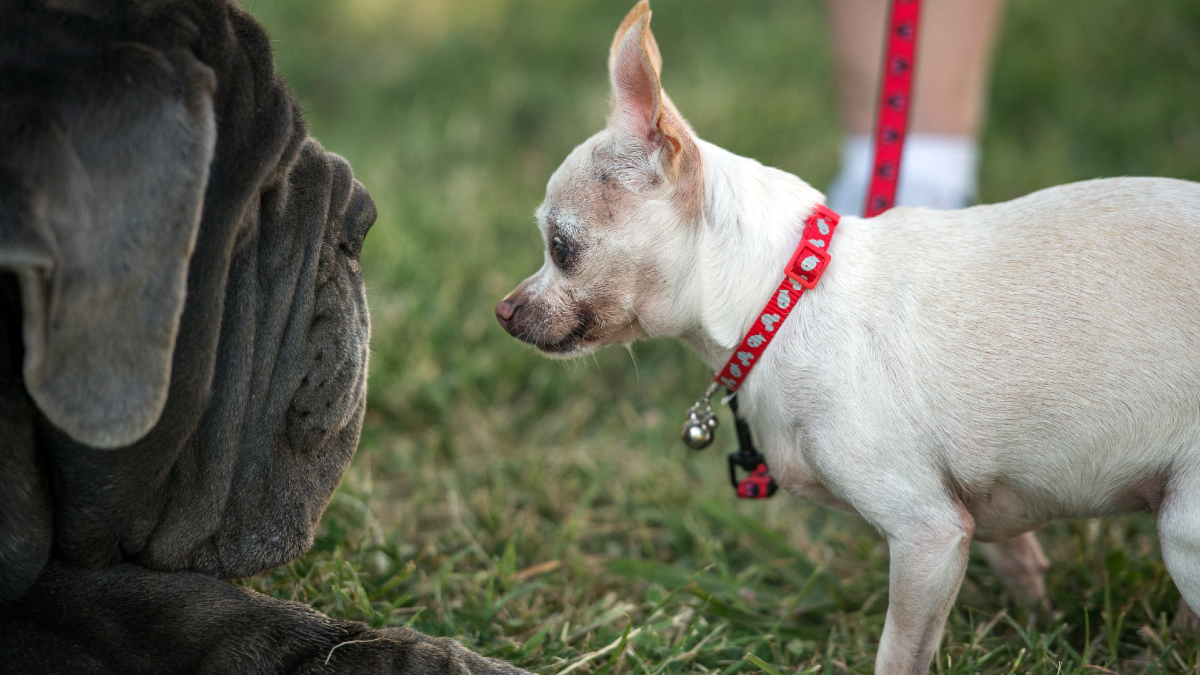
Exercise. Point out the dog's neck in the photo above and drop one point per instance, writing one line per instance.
(752, 222)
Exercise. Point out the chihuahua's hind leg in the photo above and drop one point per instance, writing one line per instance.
(1021, 565)
(928, 559)
(1185, 617)
(1179, 534)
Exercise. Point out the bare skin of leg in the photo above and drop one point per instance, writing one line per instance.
(1021, 565)
(953, 62)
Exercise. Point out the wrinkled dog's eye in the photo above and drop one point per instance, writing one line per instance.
(561, 252)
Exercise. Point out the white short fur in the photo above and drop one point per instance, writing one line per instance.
(955, 374)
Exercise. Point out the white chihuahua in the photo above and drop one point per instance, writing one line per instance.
(955, 374)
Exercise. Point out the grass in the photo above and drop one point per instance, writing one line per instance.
(545, 513)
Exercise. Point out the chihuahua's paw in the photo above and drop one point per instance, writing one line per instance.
(1021, 565)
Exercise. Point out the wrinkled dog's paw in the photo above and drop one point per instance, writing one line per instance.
(404, 651)
(431, 655)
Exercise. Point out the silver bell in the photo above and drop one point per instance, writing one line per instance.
(701, 423)
(697, 432)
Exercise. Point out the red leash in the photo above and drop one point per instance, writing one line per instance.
(811, 258)
(895, 98)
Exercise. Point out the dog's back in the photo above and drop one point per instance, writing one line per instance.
(1053, 340)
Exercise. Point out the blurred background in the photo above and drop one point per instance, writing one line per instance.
(545, 512)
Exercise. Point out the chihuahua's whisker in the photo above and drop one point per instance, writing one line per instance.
(637, 371)
(647, 326)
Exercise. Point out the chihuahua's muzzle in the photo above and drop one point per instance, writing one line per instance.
(559, 329)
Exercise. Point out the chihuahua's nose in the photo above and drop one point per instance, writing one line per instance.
(505, 309)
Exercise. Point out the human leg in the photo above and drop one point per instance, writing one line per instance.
(953, 62)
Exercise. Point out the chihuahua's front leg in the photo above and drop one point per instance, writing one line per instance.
(928, 558)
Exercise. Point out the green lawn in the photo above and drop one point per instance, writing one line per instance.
(545, 512)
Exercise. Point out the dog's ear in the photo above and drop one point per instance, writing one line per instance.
(104, 161)
(639, 10)
(639, 106)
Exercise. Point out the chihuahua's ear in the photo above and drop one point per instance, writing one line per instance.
(639, 10)
(103, 171)
(639, 106)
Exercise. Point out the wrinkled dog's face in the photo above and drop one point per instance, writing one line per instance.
(193, 323)
(290, 383)
(618, 220)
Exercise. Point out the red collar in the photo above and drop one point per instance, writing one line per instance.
(811, 258)
(802, 273)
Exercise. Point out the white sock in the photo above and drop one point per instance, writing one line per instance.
(936, 170)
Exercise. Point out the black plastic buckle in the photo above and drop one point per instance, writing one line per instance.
(759, 484)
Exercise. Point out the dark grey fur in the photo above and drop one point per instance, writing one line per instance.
(183, 347)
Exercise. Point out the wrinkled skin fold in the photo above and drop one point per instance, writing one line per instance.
(183, 348)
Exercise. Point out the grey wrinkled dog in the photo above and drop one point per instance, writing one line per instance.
(955, 374)
(183, 348)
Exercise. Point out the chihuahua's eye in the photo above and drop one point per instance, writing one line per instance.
(561, 251)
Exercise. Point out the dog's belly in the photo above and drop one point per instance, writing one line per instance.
(1002, 511)
(1001, 514)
